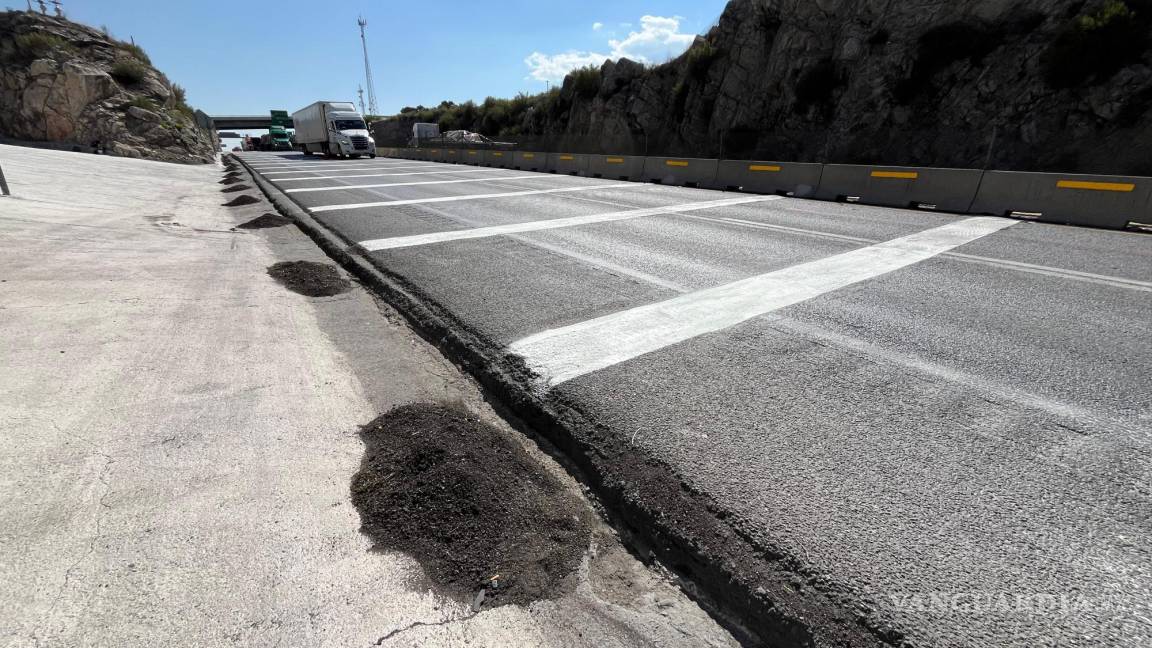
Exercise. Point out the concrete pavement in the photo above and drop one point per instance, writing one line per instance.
(939, 424)
(178, 432)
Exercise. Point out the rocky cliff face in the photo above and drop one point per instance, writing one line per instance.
(65, 82)
(1052, 85)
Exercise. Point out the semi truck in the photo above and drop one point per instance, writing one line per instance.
(334, 128)
(277, 139)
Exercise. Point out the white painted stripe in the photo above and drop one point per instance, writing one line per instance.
(565, 353)
(332, 167)
(510, 194)
(555, 223)
(301, 173)
(383, 175)
(534, 176)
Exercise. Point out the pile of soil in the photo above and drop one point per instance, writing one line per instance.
(481, 516)
(309, 278)
(242, 200)
(266, 221)
(230, 180)
(241, 187)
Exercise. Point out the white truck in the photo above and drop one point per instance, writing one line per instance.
(334, 128)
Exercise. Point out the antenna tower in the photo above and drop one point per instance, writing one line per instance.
(372, 110)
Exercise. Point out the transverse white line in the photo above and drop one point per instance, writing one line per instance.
(534, 176)
(510, 194)
(555, 223)
(565, 353)
(382, 175)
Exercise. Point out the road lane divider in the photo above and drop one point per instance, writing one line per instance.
(387, 175)
(555, 223)
(534, 176)
(509, 194)
(299, 171)
(568, 352)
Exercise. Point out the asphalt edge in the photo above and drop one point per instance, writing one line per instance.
(760, 594)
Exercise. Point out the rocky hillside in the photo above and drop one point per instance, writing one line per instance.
(1018, 84)
(65, 82)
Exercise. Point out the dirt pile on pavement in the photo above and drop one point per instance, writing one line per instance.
(482, 517)
(240, 201)
(230, 180)
(309, 278)
(240, 187)
(266, 221)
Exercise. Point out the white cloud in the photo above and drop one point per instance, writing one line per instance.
(658, 40)
(597, 26)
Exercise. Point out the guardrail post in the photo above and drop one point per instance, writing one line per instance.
(3, 184)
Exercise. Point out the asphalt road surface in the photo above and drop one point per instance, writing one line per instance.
(946, 417)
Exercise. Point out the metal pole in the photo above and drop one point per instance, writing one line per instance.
(4, 185)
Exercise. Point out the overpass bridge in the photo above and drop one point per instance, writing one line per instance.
(239, 122)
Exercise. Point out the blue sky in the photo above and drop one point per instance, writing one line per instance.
(246, 57)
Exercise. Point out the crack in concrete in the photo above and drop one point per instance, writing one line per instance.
(420, 624)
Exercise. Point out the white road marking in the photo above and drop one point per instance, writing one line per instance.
(510, 194)
(555, 223)
(381, 175)
(534, 176)
(331, 167)
(1018, 266)
(568, 352)
(300, 172)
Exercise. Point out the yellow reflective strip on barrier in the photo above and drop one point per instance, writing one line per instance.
(1096, 186)
(902, 175)
(614, 160)
(567, 157)
(498, 154)
(529, 156)
(763, 167)
(471, 152)
(676, 163)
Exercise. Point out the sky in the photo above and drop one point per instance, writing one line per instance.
(251, 56)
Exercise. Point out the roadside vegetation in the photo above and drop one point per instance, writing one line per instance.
(1094, 46)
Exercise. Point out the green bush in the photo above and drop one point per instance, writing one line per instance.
(128, 72)
(1094, 46)
(136, 52)
(699, 59)
(143, 102)
(586, 81)
(36, 45)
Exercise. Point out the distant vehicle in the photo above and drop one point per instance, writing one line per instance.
(334, 128)
(422, 132)
(277, 139)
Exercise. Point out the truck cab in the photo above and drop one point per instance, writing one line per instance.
(279, 139)
(349, 135)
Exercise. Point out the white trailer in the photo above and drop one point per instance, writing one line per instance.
(334, 128)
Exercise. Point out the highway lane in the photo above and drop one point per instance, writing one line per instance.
(927, 410)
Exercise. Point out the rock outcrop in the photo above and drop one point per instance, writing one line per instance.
(65, 82)
(1045, 85)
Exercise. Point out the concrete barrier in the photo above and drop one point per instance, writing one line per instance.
(471, 156)
(949, 190)
(798, 179)
(450, 156)
(683, 172)
(530, 161)
(1094, 200)
(568, 163)
(498, 159)
(616, 167)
